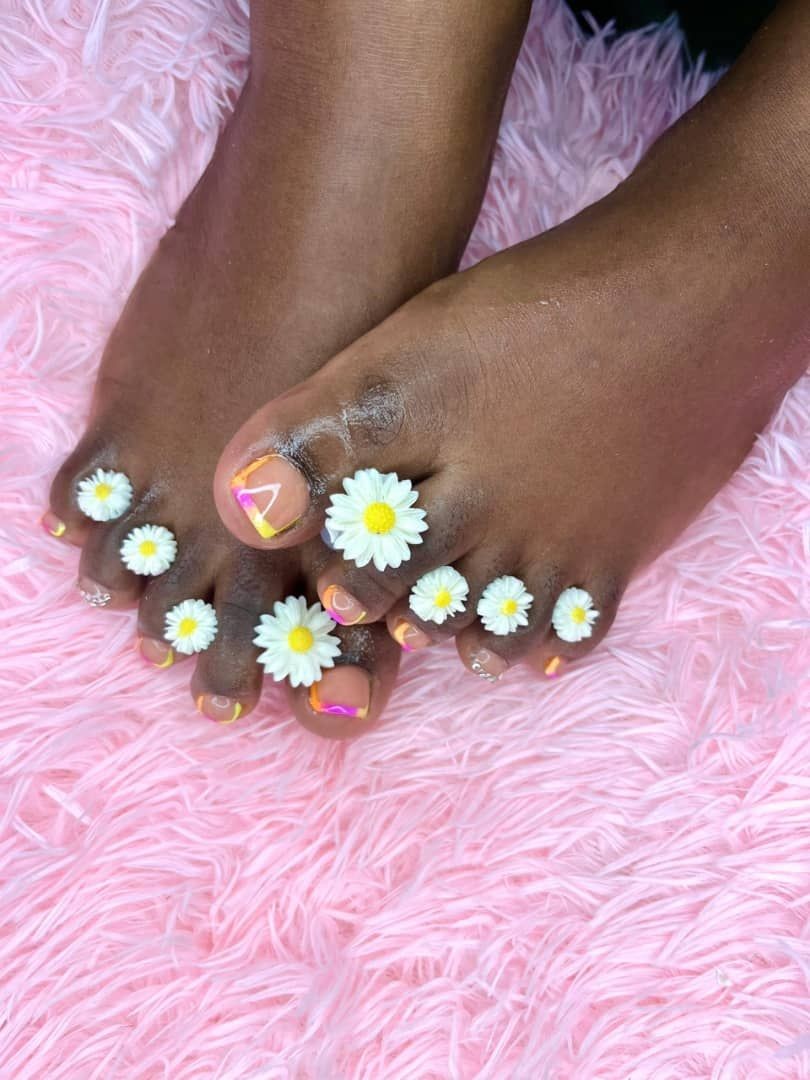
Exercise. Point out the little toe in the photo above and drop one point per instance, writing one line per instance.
(350, 698)
(275, 477)
(227, 679)
(553, 654)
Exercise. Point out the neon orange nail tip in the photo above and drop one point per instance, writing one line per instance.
(553, 666)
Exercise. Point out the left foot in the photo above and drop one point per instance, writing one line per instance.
(567, 407)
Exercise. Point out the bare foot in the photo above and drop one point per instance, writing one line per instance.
(347, 180)
(568, 406)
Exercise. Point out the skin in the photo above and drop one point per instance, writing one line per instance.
(347, 180)
(623, 363)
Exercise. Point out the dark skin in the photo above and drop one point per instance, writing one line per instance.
(632, 355)
(348, 179)
(625, 362)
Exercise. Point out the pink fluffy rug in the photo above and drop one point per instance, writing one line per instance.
(604, 877)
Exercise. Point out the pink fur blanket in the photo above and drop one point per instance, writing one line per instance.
(604, 877)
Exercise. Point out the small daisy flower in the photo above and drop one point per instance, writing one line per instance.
(105, 495)
(503, 605)
(574, 615)
(297, 641)
(149, 550)
(191, 626)
(438, 595)
(375, 520)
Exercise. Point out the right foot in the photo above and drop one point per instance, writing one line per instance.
(348, 179)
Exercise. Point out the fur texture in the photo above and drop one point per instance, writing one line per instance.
(601, 877)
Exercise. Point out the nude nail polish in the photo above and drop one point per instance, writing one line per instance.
(487, 665)
(409, 637)
(342, 606)
(53, 525)
(223, 710)
(553, 667)
(272, 493)
(342, 691)
(157, 653)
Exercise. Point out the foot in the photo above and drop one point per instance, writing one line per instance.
(566, 407)
(347, 180)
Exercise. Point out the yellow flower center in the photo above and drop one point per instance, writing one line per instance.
(187, 627)
(379, 518)
(103, 491)
(443, 598)
(148, 548)
(509, 607)
(300, 639)
(579, 615)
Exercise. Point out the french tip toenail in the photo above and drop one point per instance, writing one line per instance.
(488, 666)
(155, 652)
(342, 606)
(53, 525)
(553, 668)
(272, 493)
(342, 691)
(220, 709)
(409, 637)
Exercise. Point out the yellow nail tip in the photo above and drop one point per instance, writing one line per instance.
(400, 631)
(553, 666)
(167, 663)
(60, 529)
(237, 712)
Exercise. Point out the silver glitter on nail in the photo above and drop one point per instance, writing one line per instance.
(477, 667)
(96, 599)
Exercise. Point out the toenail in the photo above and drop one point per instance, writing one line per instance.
(342, 606)
(92, 593)
(272, 493)
(410, 637)
(342, 691)
(553, 668)
(53, 525)
(223, 710)
(155, 652)
(487, 665)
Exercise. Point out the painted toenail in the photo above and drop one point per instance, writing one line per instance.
(53, 525)
(487, 665)
(553, 668)
(343, 691)
(92, 593)
(439, 594)
(504, 605)
(223, 710)
(374, 520)
(410, 637)
(574, 615)
(272, 493)
(105, 495)
(155, 652)
(342, 606)
(149, 550)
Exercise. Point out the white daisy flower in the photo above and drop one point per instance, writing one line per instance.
(375, 520)
(149, 550)
(503, 605)
(105, 495)
(297, 641)
(438, 595)
(574, 615)
(191, 626)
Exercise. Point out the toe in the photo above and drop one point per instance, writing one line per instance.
(351, 697)
(105, 578)
(363, 594)
(227, 680)
(275, 477)
(490, 655)
(189, 578)
(64, 519)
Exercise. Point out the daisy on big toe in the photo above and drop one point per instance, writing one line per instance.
(494, 466)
